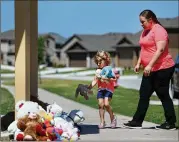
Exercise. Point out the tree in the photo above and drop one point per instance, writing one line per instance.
(41, 48)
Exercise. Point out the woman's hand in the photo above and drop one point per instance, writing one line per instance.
(147, 70)
(136, 69)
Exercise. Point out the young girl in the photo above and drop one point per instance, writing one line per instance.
(105, 89)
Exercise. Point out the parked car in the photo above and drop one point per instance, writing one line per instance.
(175, 80)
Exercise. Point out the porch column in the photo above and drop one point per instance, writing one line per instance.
(88, 60)
(26, 60)
(67, 61)
(117, 59)
(134, 60)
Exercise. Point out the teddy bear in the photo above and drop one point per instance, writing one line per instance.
(31, 126)
(23, 108)
(83, 90)
(105, 73)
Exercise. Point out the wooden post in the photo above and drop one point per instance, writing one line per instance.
(26, 60)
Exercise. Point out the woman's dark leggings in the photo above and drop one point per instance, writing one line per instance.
(158, 81)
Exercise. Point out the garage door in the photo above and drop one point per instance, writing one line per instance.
(77, 60)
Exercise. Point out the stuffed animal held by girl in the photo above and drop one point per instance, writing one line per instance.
(83, 90)
(105, 73)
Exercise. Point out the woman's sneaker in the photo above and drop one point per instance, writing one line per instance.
(166, 126)
(114, 123)
(133, 124)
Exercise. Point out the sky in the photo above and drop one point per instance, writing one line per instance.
(90, 17)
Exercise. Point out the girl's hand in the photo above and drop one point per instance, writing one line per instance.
(113, 79)
(136, 69)
(147, 70)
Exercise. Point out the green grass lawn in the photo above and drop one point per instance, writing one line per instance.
(9, 71)
(6, 71)
(131, 72)
(127, 72)
(6, 101)
(124, 100)
(75, 71)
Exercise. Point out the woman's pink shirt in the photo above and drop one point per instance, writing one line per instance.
(148, 48)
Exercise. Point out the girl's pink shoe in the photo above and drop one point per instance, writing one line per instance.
(102, 125)
(114, 123)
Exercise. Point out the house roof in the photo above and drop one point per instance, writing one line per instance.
(108, 41)
(101, 42)
(169, 22)
(105, 42)
(94, 42)
(58, 38)
(7, 35)
(10, 35)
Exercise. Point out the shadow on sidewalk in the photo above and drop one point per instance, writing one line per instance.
(117, 127)
(89, 129)
(148, 127)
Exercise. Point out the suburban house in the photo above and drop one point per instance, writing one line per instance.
(79, 50)
(53, 44)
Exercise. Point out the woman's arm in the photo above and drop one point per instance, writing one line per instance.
(139, 61)
(160, 48)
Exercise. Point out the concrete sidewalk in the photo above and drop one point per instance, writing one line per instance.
(90, 131)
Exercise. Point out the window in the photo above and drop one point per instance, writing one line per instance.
(58, 54)
(9, 42)
(10, 53)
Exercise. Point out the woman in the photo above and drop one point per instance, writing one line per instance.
(158, 70)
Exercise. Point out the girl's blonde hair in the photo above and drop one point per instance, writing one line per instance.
(102, 55)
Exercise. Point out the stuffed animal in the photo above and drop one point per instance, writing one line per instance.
(54, 109)
(69, 131)
(32, 128)
(48, 124)
(83, 90)
(105, 73)
(76, 116)
(51, 131)
(23, 108)
(9, 118)
(69, 125)
(98, 73)
(46, 116)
